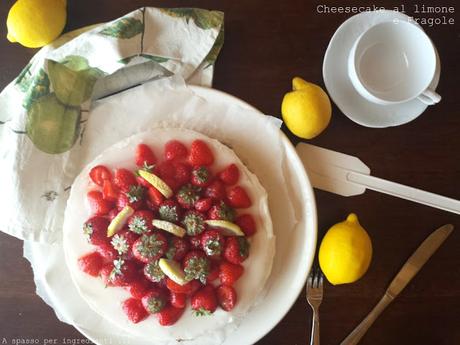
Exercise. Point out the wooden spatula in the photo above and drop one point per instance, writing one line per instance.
(347, 175)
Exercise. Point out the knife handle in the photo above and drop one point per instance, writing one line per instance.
(355, 336)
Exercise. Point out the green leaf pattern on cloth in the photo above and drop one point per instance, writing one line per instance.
(124, 28)
(211, 58)
(24, 79)
(158, 59)
(39, 86)
(204, 19)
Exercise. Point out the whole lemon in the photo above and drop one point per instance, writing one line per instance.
(306, 110)
(345, 252)
(35, 23)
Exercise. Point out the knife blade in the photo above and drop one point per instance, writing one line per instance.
(416, 261)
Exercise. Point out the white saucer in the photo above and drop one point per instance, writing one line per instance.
(340, 88)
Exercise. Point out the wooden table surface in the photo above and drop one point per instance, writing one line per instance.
(266, 44)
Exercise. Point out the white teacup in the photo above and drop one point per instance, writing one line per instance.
(393, 62)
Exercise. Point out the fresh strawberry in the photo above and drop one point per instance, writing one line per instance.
(187, 288)
(178, 300)
(124, 179)
(174, 149)
(178, 247)
(236, 249)
(194, 223)
(95, 230)
(153, 272)
(238, 198)
(141, 222)
(110, 191)
(112, 214)
(98, 205)
(229, 273)
(195, 241)
(144, 156)
(201, 176)
(182, 174)
(123, 272)
(212, 242)
(204, 301)
(188, 195)
(170, 210)
(203, 205)
(213, 272)
(247, 223)
(150, 247)
(226, 295)
(229, 175)
(134, 310)
(154, 300)
(99, 174)
(134, 198)
(200, 153)
(154, 196)
(216, 190)
(172, 183)
(107, 251)
(123, 242)
(91, 263)
(165, 170)
(138, 288)
(196, 265)
(169, 315)
(221, 211)
(105, 274)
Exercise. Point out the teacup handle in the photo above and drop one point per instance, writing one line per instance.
(429, 97)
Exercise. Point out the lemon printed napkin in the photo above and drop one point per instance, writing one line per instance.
(44, 110)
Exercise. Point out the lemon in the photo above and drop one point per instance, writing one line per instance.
(169, 227)
(306, 110)
(173, 271)
(226, 228)
(119, 221)
(345, 252)
(156, 182)
(35, 23)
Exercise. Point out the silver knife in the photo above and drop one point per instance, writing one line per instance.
(404, 276)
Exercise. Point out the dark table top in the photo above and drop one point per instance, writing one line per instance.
(266, 44)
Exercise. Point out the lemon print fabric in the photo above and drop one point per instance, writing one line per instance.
(345, 252)
(306, 110)
(35, 23)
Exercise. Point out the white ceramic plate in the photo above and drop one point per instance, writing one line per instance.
(339, 85)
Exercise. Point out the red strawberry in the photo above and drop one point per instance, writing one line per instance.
(188, 195)
(221, 211)
(165, 170)
(182, 174)
(201, 176)
(178, 300)
(230, 175)
(138, 288)
(230, 273)
(141, 222)
(105, 274)
(123, 242)
(196, 265)
(110, 191)
(107, 252)
(204, 301)
(238, 198)
(112, 214)
(236, 249)
(247, 223)
(91, 263)
(144, 156)
(95, 230)
(154, 300)
(134, 198)
(212, 242)
(195, 241)
(150, 247)
(134, 310)
(169, 315)
(213, 272)
(216, 190)
(153, 272)
(99, 174)
(98, 205)
(203, 205)
(170, 211)
(226, 295)
(200, 153)
(178, 247)
(187, 288)
(124, 179)
(123, 272)
(154, 196)
(174, 149)
(194, 223)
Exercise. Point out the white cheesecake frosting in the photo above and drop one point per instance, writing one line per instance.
(107, 301)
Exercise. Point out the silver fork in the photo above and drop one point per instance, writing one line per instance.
(314, 298)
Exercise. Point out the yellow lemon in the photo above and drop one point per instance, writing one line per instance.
(345, 252)
(35, 23)
(306, 110)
